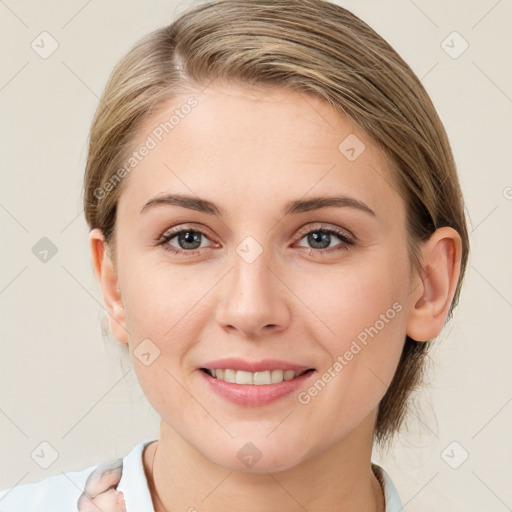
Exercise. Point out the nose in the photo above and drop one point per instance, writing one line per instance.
(254, 299)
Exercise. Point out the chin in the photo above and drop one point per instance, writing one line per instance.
(257, 458)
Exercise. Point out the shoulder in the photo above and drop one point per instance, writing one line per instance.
(54, 494)
(88, 489)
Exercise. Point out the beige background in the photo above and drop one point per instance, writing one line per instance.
(63, 384)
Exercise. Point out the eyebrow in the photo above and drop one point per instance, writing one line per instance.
(297, 206)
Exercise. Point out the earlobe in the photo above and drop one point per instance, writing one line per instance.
(106, 274)
(432, 295)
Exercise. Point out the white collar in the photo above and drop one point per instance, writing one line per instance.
(134, 484)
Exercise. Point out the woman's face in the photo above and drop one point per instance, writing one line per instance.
(259, 276)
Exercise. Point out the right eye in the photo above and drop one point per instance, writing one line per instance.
(188, 240)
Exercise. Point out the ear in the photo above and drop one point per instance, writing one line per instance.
(106, 274)
(433, 290)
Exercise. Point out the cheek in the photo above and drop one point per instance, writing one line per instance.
(157, 297)
(362, 331)
(358, 370)
(163, 319)
(343, 300)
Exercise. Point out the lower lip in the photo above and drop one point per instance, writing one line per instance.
(255, 395)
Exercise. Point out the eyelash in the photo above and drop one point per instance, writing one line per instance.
(345, 244)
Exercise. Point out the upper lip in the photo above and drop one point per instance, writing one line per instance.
(234, 363)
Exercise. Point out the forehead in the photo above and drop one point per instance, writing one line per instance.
(235, 145)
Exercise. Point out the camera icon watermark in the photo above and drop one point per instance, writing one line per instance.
(44, 45)
(249, 249)
(44, 455)
(454, 45)
(454, 455)
(249, 454)
(146, 352)
(44, 250)
(351, 147)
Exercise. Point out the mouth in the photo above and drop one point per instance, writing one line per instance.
(254, 383)
(259, 378)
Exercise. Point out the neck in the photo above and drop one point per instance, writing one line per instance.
(339, 478)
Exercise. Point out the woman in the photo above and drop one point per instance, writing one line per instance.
(278, 230)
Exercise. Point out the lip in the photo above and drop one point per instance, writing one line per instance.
(234, 363)
(254, 395)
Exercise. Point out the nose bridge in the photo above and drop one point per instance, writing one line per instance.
(253, 296)
(252, 271)
(253, 280)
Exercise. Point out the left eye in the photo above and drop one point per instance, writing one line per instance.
(321, 238)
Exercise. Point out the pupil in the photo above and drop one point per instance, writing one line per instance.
(189, 237)
(313, 239)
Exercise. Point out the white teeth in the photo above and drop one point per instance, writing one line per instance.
(257, 378)
(229, 375)
(276, 376)
(262, 377)
(243, 377)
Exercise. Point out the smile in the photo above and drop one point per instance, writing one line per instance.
(254, 389)
(254, 378)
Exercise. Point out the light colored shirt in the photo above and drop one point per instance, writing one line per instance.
(99, 487)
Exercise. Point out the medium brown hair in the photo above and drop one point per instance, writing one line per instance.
(309, 46)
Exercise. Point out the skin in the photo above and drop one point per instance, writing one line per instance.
(250, 152)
